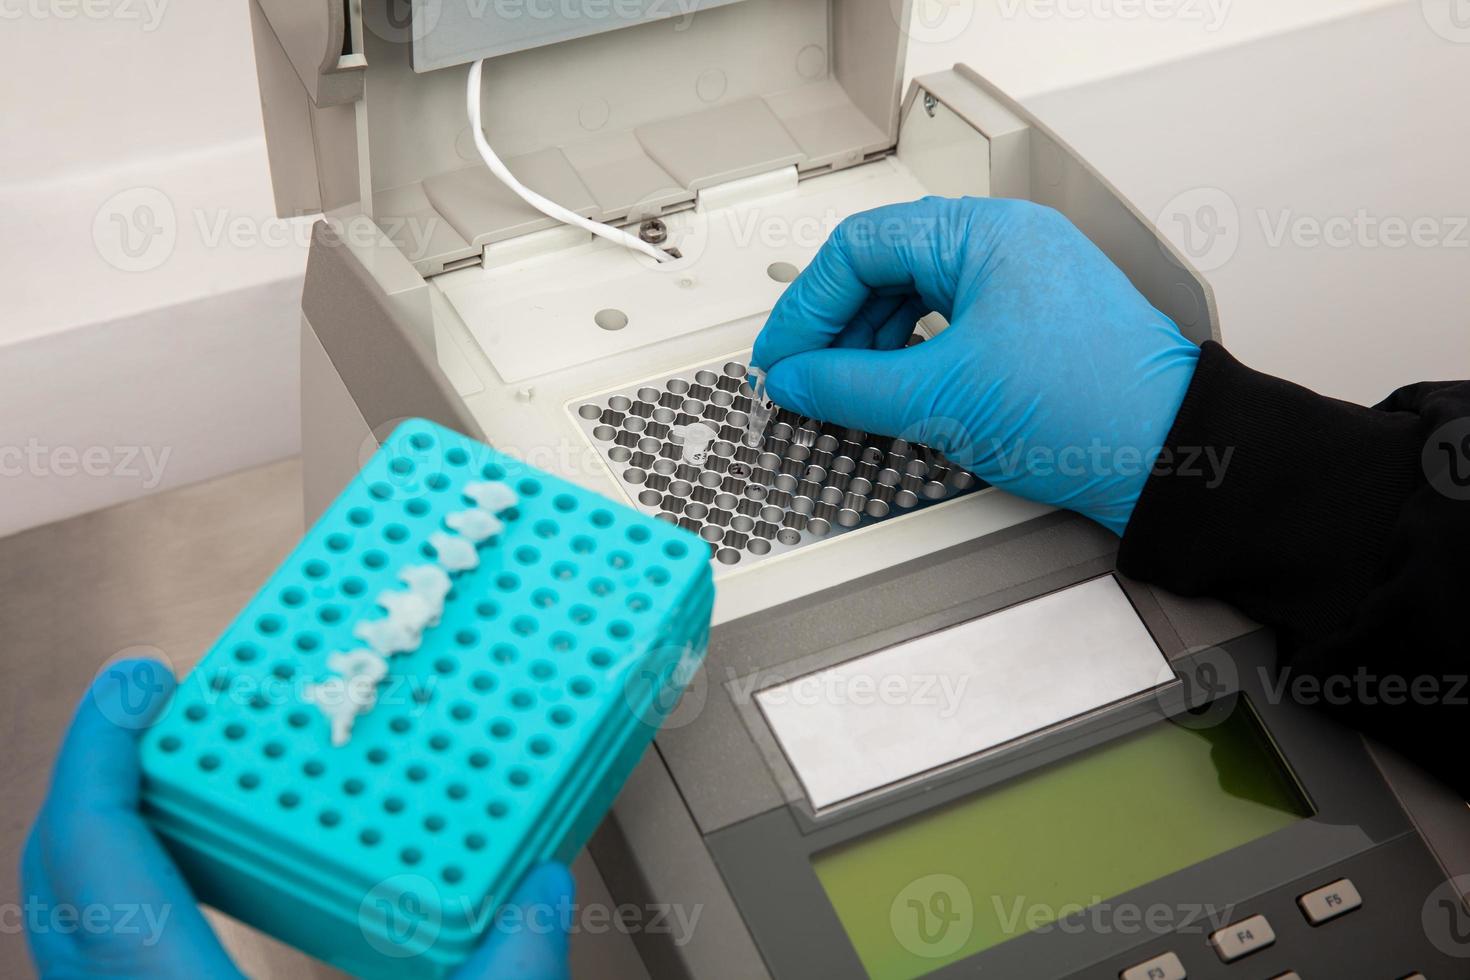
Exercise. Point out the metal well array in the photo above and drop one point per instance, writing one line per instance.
(801, 482)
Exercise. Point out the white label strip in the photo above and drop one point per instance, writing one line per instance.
(924, 703)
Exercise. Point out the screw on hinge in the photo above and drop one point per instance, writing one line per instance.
(930, 102)
(653, 231)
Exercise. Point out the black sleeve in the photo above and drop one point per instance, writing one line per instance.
(1346, 529)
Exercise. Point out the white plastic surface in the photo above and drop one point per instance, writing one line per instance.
(532, 317)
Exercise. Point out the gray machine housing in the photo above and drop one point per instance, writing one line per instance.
(361, 130)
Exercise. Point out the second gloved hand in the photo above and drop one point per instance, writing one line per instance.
(103, 898)
(1056, 379)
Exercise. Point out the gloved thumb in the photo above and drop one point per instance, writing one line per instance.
(528, 937)
(887, 392)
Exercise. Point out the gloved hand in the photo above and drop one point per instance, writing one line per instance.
(103, 898)
(1056, 380)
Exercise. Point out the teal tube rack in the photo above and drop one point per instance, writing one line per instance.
(497, 743)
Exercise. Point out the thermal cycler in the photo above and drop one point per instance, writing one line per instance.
(936, 733)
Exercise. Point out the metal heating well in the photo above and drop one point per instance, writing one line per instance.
(679, 447)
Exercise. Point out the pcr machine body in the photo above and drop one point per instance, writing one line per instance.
(1071, 745)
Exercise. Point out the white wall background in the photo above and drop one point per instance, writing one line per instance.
(121, 343)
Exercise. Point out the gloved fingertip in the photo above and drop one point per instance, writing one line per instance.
(130, 694)
(787, 386)
(529, 937)
(551, 883)
(98, 761)
(777, 341)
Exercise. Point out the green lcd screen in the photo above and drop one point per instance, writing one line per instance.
(970, 875)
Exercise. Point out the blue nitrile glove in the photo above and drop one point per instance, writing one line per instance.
(1056, 380)
(102, 898)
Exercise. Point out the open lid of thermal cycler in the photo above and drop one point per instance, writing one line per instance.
(617, 110)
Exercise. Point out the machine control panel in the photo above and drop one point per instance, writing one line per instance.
(1243, 938)
(1254, 933)
(1163, 967)
(1330, 901)
(1255, 844)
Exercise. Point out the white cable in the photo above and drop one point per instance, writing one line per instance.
(547, 207)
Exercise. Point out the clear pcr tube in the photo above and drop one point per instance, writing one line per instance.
(760, 411)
